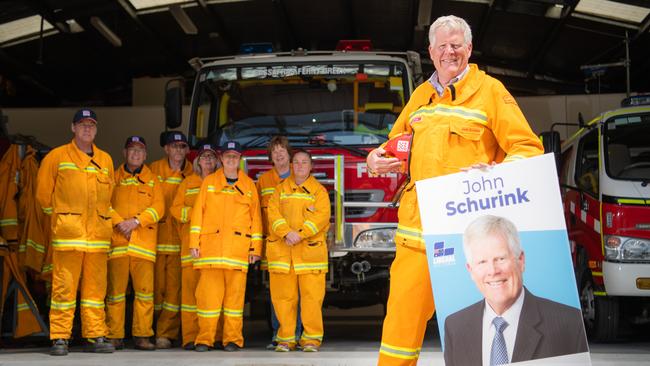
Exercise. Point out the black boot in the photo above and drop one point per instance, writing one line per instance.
(98, 345)
(59, 347)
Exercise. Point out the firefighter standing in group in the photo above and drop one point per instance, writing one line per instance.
(460, 118)
(205, 163)
(299, 218)
(225, 236)
(75, 182)
(138, 204)
(171, 170)
(279, 153)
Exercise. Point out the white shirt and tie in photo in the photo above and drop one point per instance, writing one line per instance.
(490, 346)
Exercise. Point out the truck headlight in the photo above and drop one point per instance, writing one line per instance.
(376, 238)
(624, 248)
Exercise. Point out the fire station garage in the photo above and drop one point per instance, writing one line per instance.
(251, 182)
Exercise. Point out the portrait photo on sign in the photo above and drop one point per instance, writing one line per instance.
(501, 268)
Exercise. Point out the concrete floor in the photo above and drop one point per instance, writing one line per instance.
(349, 341)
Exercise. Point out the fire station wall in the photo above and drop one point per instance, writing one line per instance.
(542, 112)
(51, 126)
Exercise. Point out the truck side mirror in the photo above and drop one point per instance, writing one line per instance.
(551, 142)
(174, 103)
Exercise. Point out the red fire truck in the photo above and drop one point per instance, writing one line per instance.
(336, 104)
(604, 176)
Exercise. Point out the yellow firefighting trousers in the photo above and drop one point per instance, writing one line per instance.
(141, 272)
(410, 306)
(69, 268)
(167, 295)
(220, 292)
(285, 288)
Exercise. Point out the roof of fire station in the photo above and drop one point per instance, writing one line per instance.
(71, 52)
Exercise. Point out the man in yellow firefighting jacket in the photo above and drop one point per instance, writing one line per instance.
(459, 118)
(75, 182)
(299, 217)
(225, 236)
(138, 204)
(206, 163)
(171, 170)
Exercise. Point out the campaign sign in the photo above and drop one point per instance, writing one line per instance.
(497, 247)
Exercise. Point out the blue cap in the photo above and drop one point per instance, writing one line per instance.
(175, 136)
(135, 140)
(231, 146)
(206, 147)
(84, 114)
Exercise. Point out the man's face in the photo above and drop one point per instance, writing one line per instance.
(279, 156)
(176, 151)
(449, 54)
(301, 166)
(496, 271)
(230, 160)
(85, 131)
(135, 155)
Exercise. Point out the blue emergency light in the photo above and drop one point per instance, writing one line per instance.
(261, 47)
(636, 100)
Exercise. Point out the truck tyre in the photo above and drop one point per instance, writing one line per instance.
(600, 313)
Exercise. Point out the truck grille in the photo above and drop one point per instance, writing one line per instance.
(361, 195)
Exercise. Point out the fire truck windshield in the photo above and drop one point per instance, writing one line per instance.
(627, 147)
(344, 104)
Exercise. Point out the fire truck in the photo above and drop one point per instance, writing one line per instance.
(336, 104)
(604, 173)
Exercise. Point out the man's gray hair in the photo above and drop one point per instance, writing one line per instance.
(452, 23)
(490, 225)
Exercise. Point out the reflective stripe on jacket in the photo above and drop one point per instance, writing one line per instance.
(305, 209)
(76, 189)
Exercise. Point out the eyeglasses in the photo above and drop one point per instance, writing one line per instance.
(208, 157)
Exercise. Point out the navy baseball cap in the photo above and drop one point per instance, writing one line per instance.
(206, 147)
(175, 136)
(231, 146)
(132, 140)
(84, 114)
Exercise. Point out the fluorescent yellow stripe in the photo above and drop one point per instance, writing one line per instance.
(399, 352)
(142, 296)
(81, 244)
(279, 265)
(86, 303)
(277, 223)
(234, 313)
(170, 307)
(37, 247)
(154, 214)
(203, 313)
(297, 196)
(475, 115)
(8, 222)
(63, 305)
(267, 191)
(116, 298)
(22, 306)
(191, 191)
(195, 229)
(312, 226)
(142, 251)
(168, 248)
(188, 308)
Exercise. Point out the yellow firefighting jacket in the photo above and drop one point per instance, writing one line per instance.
(476, 120)
(226, 223)
(9, 168)
(35, 236)
(137, 195)
(181, 210)
(266, 184)
(76, 190)
(303, 208)
(168, 240)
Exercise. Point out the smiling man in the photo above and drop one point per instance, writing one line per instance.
(460, 117)
(510, 324)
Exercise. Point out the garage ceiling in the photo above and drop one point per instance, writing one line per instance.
(536, 47)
